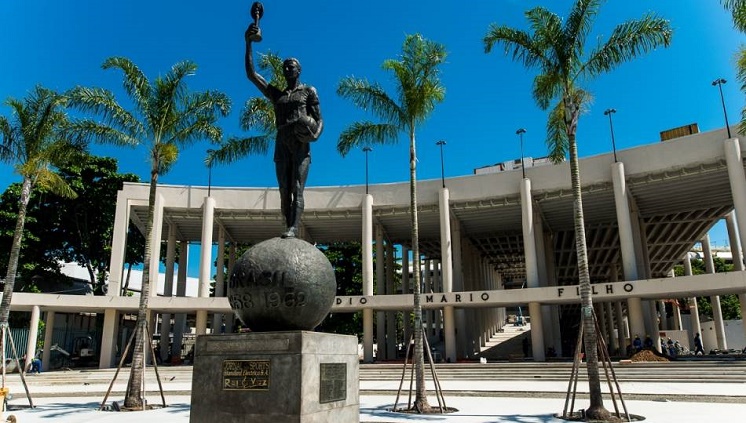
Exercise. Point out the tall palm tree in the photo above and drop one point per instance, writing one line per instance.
(419, 89)
(557, 48)
(35, 141)
(258, 114)
(166, 117)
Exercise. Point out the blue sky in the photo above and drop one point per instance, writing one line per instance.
(62, 44)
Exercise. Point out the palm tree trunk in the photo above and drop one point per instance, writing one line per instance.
(596, 409)
(133, 397)
(15, 252)
(420, 401)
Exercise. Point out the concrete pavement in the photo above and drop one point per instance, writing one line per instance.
(524, 401)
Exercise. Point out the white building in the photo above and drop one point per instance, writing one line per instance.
(480, 234)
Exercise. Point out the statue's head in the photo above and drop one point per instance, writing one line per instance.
(291, 68)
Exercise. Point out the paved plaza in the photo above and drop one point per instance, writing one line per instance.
(524, 401)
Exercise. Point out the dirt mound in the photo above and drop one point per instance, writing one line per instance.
(648, 355)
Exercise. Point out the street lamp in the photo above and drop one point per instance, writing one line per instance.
(209, 172)
(441, 143)
(609, 112)
(366, 150)
(719, 82)
(520, 133)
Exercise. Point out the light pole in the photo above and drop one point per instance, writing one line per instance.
(366, 150)
(441, 143)
(609, 112)
(719, 82)
(209, 172)
(520, 133)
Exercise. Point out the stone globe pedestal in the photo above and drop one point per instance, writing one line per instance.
(281, 371)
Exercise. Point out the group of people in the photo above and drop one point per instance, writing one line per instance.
(670, 347)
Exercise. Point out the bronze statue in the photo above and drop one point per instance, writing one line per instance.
(298, 121)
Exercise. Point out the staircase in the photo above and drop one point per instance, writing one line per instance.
(508, 344)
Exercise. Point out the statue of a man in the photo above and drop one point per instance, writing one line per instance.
(298, 121)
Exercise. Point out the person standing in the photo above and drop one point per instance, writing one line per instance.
(698, 349)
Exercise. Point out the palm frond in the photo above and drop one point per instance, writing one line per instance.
(628, 40)
(547, 87)
(236, 148)
(101, 102)
(92, 131)
(741, 76)
(272, 63)
(370, 97)
(518, 44)
(258, 113)
(579, 24)
(54, 183)
(366, 133)
(135, 83)
(737, 8)
(557, 141)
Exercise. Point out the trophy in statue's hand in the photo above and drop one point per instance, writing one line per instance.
(254, 33)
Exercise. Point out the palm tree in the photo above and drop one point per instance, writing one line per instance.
(35, 142)
(167, 117)
(257, 114)
(556, 47)
(419, 89)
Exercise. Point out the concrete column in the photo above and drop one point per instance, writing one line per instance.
(427, 316)
(458, 286)
(33, 334)
(217, 318)
(205, 257)
(155, 244)
(380, 290)
(737, 180)
(48, 339)
(554, 319)
(230, 319)
(622, 330)
(406, 289)
(390, 315)
(611, 340)
(446, 254)
(118, 244)
(446, 265)
(108, 339)
(717, 312)
(205, 261)
(532, 270)
(438, 288)
(693, 308)
(664, 325)
(367, 252)
(736, 252)
(627, 246)
(168, 288)
(180, 319)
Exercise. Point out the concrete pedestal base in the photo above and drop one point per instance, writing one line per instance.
(275, 377)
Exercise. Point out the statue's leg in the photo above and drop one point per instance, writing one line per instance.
(299, 185)
(284, 181)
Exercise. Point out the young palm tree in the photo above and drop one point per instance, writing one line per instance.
(557, 49)
(166, 117)
(35, 142)
(419, 89)
(257, 114)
